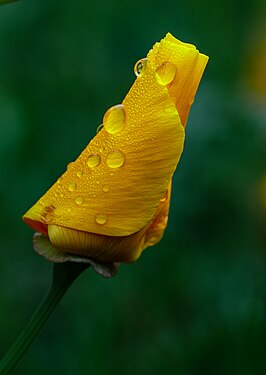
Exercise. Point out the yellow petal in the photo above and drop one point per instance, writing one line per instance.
(112, 248)
(115, 186)
(190, 65)
(96, 246)
(154, 232)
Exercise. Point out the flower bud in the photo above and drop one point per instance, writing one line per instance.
(113, 201)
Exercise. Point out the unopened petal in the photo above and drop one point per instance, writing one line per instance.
(96, 246)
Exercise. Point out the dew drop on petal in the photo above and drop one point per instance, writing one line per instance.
(79, 173)
(47, 213)
(72, 186)
(140, 66)
(69, 164)
(79, 200)
(165, 73)
(164, 197)
(106, 188)
(99, 128)
(114, 119)
(93, 160)
(115, 159)
(101, 219)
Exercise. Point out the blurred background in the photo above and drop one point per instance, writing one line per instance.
(195, 303)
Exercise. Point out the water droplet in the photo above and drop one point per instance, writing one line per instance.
(164, 197)
(72, 186)
(140, 66)
(79, 173)
(61, 195)
(47, 213)
(165, 73)
(114, 119)
(106, 188)
(99, 128)
(101, 149)
(69, 164)
(115, 159)
(69, 210)
(79, 200)
(112, 174)
(101, 219)
(93, 160)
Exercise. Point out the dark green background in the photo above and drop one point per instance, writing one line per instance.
(194, 304)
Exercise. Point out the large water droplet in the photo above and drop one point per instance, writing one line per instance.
(114, 119)
(93, 160)
(47, 213)
(101, 219)
(79, 200)
(140, 66)
(165, 73)
(115, 159)
(72, 186)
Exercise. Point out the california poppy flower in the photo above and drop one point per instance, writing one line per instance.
(113, 201)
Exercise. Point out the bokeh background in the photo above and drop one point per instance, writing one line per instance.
(195, 303)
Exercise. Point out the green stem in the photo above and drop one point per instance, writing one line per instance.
(63, 276)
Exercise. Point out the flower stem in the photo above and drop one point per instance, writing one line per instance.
(63, 276)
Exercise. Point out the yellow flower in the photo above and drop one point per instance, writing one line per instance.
(113, 201)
